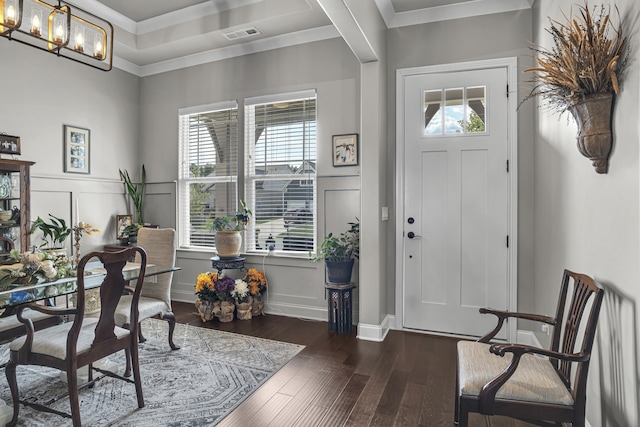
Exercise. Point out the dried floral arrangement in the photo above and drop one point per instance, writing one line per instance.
(587, 58)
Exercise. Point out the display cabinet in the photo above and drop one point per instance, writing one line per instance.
(15, 197)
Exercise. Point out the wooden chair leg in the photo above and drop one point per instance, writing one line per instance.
(136, 375)
(462, 413)
(169, 317)
(10, 372)
(141, 338)
(456, 411)
(90, 375)
(127, 369)
(72, 383)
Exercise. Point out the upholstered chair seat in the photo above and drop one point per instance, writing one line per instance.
(535, 380)
(10, 323)
(53, 341)
(148, 307)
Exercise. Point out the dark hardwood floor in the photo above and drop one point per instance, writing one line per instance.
(338, 380)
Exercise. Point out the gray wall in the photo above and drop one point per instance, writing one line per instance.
(296, 286)
(41, 93)
(589, 223)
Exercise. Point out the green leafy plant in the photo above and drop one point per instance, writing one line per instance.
(135, 191)
(54, 233)
(341, 248)
(584, 60)
(233, 223)
(131, 229)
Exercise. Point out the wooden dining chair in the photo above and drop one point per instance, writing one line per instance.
(155, 297)
(83, 341)
(540, 386)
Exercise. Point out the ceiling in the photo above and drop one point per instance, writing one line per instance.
(153, 36)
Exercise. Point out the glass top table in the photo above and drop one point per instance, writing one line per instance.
(20, 293)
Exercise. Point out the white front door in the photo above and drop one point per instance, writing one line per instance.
(455, 244)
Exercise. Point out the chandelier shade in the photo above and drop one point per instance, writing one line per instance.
(62, 29)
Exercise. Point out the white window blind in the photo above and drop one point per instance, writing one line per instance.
(280, 172)
(207, 183)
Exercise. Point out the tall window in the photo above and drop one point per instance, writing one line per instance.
(280, 172)
(208, 173)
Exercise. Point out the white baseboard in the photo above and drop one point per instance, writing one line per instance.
(182, 296)
(374, 332)
(296, 310)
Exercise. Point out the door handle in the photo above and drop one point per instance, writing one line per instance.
(412, 235)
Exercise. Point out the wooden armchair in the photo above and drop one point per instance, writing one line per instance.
(83, 341)
(515, 381)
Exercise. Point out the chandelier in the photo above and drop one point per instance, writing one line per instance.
(62, 29)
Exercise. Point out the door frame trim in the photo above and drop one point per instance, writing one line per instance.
(511, 64)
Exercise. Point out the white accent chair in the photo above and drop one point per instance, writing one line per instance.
(155, 298)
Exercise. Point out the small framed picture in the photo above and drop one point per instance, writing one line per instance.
(345, 150)
(76, 149)
(9, 144)
(122, 221)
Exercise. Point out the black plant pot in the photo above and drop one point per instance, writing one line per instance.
(339, 271)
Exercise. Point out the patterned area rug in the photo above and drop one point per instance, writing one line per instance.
(198, 385)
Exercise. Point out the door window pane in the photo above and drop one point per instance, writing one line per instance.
(454, 111)
(475, 115)
(433, 112)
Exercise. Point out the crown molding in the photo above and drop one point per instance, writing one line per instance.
(292, 39)
(466, 9)
(163, 21)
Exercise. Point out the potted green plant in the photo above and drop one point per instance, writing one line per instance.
(131, 231)
(54, 233)
(135, 191)
(339, 253)
(228, 231)
(580, 74)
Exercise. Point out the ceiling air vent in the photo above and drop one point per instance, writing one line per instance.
(240, 34)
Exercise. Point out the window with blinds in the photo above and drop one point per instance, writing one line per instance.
(280, 172)
(207, 184)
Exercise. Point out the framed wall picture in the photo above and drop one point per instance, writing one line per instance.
(122, 221)
(345, 150)
(9, 144)
(76, 149)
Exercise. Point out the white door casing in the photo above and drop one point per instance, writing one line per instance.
(460, 198)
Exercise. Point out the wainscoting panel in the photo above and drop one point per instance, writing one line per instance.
(160, 204)
(78, 197)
